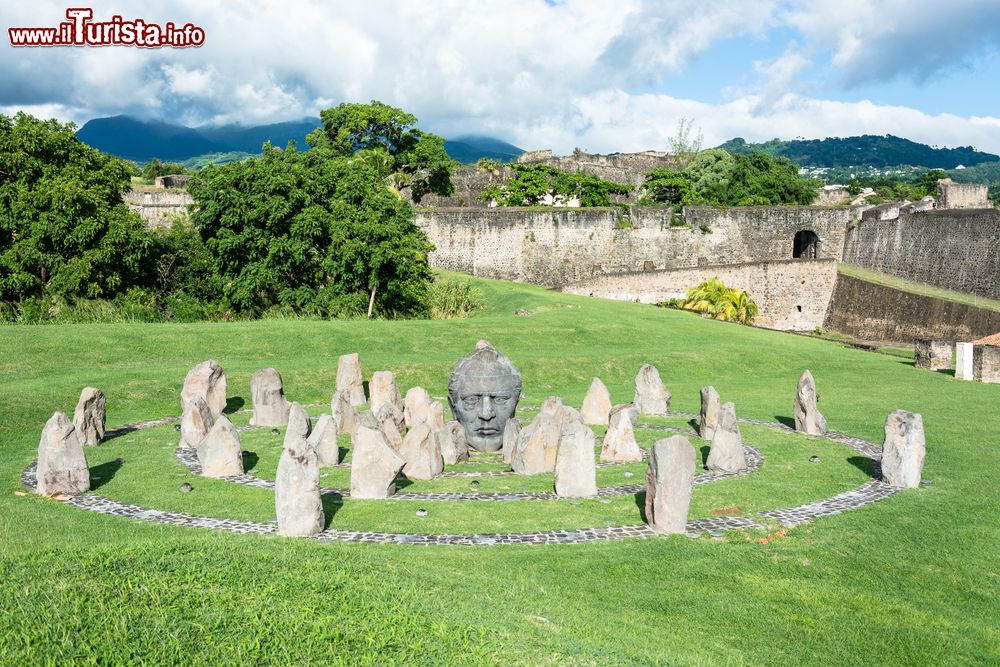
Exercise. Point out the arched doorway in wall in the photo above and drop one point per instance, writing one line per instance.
(805, 245)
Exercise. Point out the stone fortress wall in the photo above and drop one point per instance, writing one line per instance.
(158, 208)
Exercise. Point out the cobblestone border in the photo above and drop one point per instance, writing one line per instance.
(870, 492)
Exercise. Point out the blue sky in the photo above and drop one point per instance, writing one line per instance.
(603, 76)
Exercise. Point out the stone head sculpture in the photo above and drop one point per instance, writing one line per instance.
(483, 392)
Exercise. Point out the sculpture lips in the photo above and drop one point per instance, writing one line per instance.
(492, 430)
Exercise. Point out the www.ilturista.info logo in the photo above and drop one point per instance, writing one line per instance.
(81, 30)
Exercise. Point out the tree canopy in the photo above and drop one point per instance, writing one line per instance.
(64, 229)
(406, 156)
(533, 184)
(316, 233)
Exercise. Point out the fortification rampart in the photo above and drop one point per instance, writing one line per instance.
(158, 209)
(556, 247)
(958, 249)
(792, 294)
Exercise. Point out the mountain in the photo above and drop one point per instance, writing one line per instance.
(867, 150)
(142, 140)
(468, 149)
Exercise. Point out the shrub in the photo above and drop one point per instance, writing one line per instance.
(719, 302)
(452, 298)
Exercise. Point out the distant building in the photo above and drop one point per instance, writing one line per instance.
(172, 181)
(962, 195)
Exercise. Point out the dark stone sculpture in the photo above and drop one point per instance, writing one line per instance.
(483, 393)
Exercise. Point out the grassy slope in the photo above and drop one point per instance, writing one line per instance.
(913, 580)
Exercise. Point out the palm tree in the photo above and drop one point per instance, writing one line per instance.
(719, 302)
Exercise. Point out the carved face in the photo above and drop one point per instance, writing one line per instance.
(483, 405)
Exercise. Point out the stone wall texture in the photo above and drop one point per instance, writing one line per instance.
(875, 312)
(158, 209)
(792, 294)
(556, 247)
(955, 249)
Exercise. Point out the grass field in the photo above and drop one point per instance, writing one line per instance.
(910, 580)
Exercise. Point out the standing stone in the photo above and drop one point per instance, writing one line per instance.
(349, 378)
(196, 422)
(537, 446)
(619, 442)
(651, 395)
(435, 416)
(422, 453)
(389, 412)
(207, 380)
(62, 465)
(596, 407)
(270, 407)
(552, 405)
(629, 408)
(390, 427)
(297, 501)
(511, 432)
(669, 480)
(576, 472)
(709, 413)
(89, 416)
(963, 361)
(454, 446)
(366, 419)
(374, 465)
(219, 452)
(323, 440)
(807, 415)
(416, 406)
(903, 450)
(726, 454)
(343, 412)
(383, 390)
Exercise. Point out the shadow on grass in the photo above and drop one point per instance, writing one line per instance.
(696, 425)
(863, 463)
(640, 502)
(342, 454)
(787, 421)
(906, 362)
(233, 404)
(250, 460)
(117, 433)
(104, 473)
(704, 454)
(946, 371)
(332, 503)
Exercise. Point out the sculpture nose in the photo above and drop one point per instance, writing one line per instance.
(486, 408)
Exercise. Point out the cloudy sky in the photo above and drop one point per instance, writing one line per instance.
(603, 75)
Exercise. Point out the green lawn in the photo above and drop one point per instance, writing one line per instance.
(910, 580)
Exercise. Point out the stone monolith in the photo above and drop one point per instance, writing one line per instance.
(619, 442)
(416, 406)
(350, 379)
(422, 453)
(903, 450)
(710, 403)
(374, 465)
(808, 418)
(454, 446)
(537, 446)
(207, 380)
(575, 470)
(343, 412)
(220, 452)
(596, 407)
(297, 501)
(62, 464)
(726, 454)
(510, 434)
(651, 395)
(383, 390)
(669, 480)
(270, 407)
(323, 440)
(89, 416)
(196, 422)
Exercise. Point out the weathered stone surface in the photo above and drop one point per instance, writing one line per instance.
(389, 412)
(62, 465)
(207, 380)
(596, 407)
(629, 408)
(669, 480)
(350, 379)
(710, 403)
(552, 405)
(416, 406)
(435, 416)
(387, 424)
(808, 418)
(575, 470)
(323, 440)
(903, 450)
(366, 419)
(986, 363)
(374, 465)
(537, 446)
(483, 392)
(196, 422)
(297, 502)
(932, 355)
(383, 389)
(422, 453)
(511, 432)
(343, 412)
(651, 395)
(89, 416)
(219, 452)
(619, 442)
(270, 407)
(726, 454)
(454, 446)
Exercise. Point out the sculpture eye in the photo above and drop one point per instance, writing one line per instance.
(500, 400)
(470, 401)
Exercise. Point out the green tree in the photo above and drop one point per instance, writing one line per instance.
(719, 302)
(315, 233)
(685, 144)
(412, 159)
(928, 181)
(664, 186)
(64, 229)
(531, 184)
